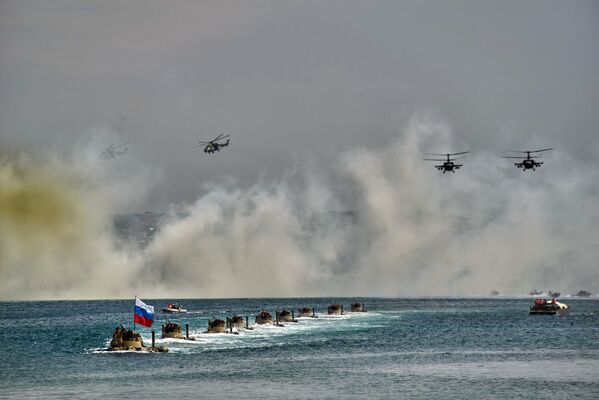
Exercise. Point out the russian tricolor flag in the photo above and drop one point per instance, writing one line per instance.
(144, 314)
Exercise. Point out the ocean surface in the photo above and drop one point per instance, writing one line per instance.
(423, 348)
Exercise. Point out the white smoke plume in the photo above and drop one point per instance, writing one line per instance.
(414, 231)
(377, 222)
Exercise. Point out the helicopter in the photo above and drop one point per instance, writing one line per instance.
(214, 145)
(112, 151)
(528, 162)
(448, 164)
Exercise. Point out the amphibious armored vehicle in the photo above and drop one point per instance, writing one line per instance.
(335, 309)
(264, 318)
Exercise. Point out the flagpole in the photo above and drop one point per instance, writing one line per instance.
(134, 313)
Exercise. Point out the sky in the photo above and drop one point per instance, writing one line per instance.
(330, 106)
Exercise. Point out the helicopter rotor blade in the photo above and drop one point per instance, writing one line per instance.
(530, 151)
(221, 138)
(121, 145)
(519, 158)
(447, 154)
(434, 159)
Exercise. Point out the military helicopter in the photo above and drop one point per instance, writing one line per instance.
(448, 164)
(112, 151)
(528, 162)
(214, 145)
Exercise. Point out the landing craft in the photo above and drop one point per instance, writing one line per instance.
(112, 151)
(214, 145)
(528, 162)
(448, 164)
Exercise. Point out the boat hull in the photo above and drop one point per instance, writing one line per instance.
(547, 312)
(549, 308)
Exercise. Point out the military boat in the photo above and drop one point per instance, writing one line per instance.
(305, 312)
(335, 309)
(544, 307)
(583, 293)
(174, 308)
(358, 307)
(126, 340)
(264, 318)
(237, 322)
(216, 326)
(286, 316)
(172, 330)
(554, 294)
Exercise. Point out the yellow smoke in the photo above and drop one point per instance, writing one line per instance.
(54, 239)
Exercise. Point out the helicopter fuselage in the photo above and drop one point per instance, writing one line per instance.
(211, 148)
(214, 146)
(448, 166)
(529, 163)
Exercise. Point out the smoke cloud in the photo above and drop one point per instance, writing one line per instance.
(377, 222)
(56, 209)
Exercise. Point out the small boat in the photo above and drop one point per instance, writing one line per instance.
(544, 307)
(335, 309)
(171, 330)
(174, 308)
(554, 294)
(216, 326)
(494, 293)
(358, 307)
(583, 293)
(535, 292)
(264, 318)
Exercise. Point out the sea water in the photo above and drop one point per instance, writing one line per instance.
(423, 348)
